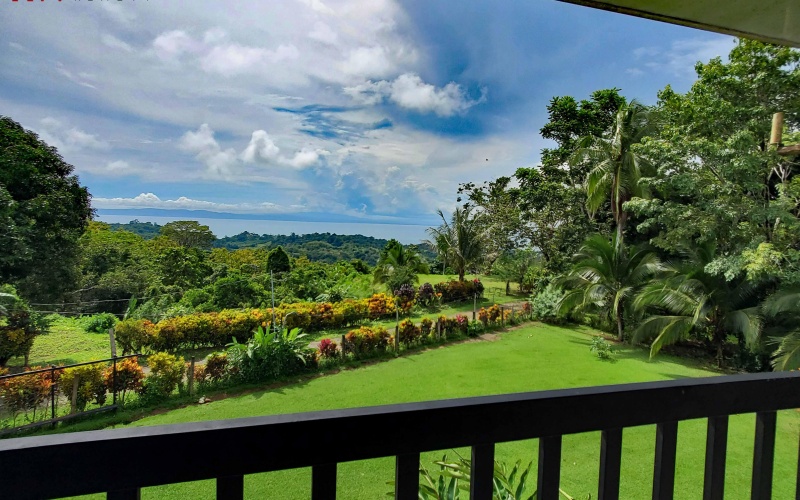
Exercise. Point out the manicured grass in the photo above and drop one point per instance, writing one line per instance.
(67, 343)
(528, 359)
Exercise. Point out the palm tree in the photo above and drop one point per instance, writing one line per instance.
(606, 275)
(460, 240)
(617, 169)
(397, 265)
(782, 312)
(694, 300)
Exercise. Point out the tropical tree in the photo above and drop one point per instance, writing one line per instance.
(695, 300)
(606, 276)
(397, 266)
(617, 167)
(781, 312)
(460, 240)
(43, 212)
(188, 233)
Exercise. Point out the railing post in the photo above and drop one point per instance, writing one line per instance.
(474, 305)
(763, 455)
(134, 494)
(323, 482)
(114, 380)
(549, 473)
(406, 477)
(53, 393)
(230, 488)
(191, 377)
(482, 477)
(664, 467)
(610, 457)
(716, 450)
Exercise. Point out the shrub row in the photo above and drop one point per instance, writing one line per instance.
(217, 329)
(92, 383)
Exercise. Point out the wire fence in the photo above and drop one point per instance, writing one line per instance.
(45, 396)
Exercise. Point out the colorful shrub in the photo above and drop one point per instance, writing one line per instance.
(426, 296)
(327, 349)
(216, 368)
(366, 341)
(28, 392)
(129, 377)
(166, 373)
(134, 335)
(452, 291)
(91, 384)
(409, 333)
(462, 323)
(405, 298)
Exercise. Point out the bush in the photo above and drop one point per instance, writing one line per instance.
(544, 305)
(426, 296)
(405, 298)
(327, 349)
(271, 355)
(133, 335)
(166, 374)
(462, 323)
(452, 291)
(409, 333)
(26, 393)
(129, 377)
(366, 341)
(216, 368)
(19, 326)
(91, 384)
(601, 347)
(99, 323)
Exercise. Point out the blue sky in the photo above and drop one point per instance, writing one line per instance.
(365, 110)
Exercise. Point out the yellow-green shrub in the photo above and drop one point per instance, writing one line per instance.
(91, 384)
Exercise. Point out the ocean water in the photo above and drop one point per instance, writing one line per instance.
(404, 233)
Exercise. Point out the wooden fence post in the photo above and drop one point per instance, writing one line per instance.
(191, 377)
(474, 306)
(74, 400)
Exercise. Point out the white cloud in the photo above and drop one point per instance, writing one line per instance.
(262, 149)
(682, 55)
(318, 6)
(118, 166)
(411, 92)
(206, 148)
(173, 44)
(234, 59)
(323, 33)
(67, 138)
(150, 200)
(73, 78)
(115, 43)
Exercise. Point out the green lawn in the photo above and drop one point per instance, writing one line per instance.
(67, 343)
(528, 359)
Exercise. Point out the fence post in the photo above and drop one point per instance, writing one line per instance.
(53, 393)
(74, 401)
(114, 380)
(343, 350)
(439, 329)
(474, 305)
(397, 331)
(502, 317)
(191, 377)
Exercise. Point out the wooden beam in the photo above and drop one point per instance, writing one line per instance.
(793, 150)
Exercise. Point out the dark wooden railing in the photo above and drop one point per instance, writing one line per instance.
(264, 444)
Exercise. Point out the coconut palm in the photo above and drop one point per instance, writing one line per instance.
(694, 300)
(398, 265)
(616, 167)
(460, 240)
(782, 313)
(606, 276)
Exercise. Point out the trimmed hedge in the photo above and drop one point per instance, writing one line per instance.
(217, 329)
